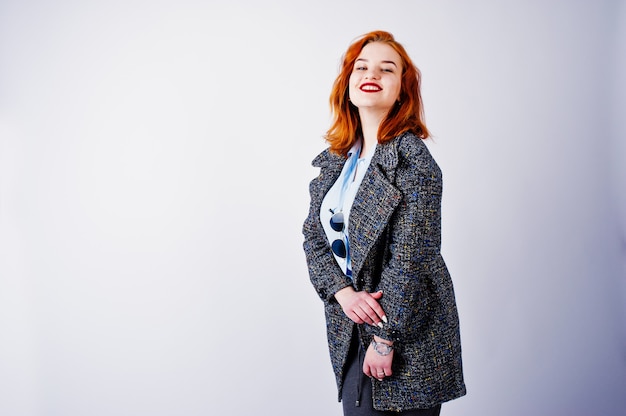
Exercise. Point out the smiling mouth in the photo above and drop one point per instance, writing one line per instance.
(370, 88)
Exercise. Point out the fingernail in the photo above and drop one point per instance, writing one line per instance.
(384, 318)
(380, 325)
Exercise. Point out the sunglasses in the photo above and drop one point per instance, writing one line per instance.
(338, 246)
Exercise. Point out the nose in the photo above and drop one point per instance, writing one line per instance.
(371, 74)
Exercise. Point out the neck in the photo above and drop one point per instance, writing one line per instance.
(370, 122)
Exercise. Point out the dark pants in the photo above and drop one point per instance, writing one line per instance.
(357, 387)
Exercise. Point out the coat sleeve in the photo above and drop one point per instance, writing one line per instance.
(324, 272)
(413, 273)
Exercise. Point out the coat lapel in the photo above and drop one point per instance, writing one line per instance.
(330, 166)
(375, 201)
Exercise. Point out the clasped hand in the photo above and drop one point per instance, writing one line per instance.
(362, 307)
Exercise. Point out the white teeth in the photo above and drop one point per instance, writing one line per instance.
(370, 88)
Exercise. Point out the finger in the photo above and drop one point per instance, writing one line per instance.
(375, 312)
(355, 317)
(367, 370)
(373, 373)
(377, 295)
(373, 317)
(363, 315)
(353, 313)
(380, 374)
(386, 370)
(373, 303)
(368, 315)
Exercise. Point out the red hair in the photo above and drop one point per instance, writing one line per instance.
(406, 117)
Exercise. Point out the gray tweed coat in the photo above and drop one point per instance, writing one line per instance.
(395, 239)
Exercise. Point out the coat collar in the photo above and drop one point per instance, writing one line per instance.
(327, 159)
(386, 156)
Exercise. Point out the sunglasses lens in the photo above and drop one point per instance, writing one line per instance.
(339, 248)
(336, 221)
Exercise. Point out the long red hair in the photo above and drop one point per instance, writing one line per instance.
(408, 116)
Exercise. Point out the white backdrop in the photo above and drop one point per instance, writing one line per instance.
(154, 164)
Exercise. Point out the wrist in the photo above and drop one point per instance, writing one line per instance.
(341, 294)
(383, 348)
(383, 340)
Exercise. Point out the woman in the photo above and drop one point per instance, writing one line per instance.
(372, 240)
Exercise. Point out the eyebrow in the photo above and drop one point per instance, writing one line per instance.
(384, 62)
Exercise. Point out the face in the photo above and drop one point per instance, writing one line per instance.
(376, 78)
